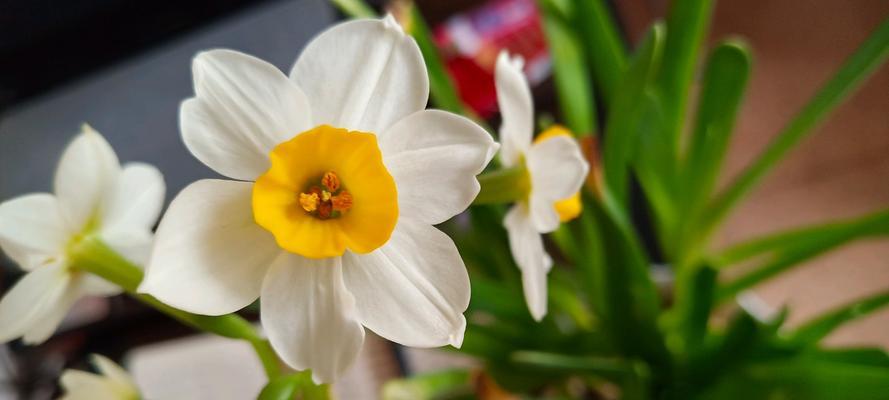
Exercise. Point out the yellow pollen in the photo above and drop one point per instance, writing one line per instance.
(325, 195)
(308, 201)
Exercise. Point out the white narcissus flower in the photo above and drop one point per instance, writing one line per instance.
(556, 170)
(112, 383)
(340, 175)
(94, 198)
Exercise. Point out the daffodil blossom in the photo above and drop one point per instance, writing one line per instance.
(556, 170)
(340, 175)
(112, 383)
(94, 198)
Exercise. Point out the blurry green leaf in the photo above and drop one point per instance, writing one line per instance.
(875, 357)
(687, 26)
(837, 231)
(694, 310)
(803, 379)
(724, 81)
(859, 65)
(822, 326)
(605, 52)
(439, 385)
(441, 87)
(585, 365)
(791, 248)
(573, 85)
(631, 298)
(355, 8)
(298, 385)
(626, 111)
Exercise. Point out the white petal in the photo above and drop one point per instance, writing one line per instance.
(362, 75)
(32, 229)
(47, 325)
(112, 371)
(516, 108)
(557, 169)
(87, 170)
(92, 285)
(414, 289)
(209, 256)
(135, 200)
(526, 246)
(434, 157)
(33, 298)
(80, 385)
(310, 317)
(244, 107)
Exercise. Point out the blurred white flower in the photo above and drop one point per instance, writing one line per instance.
(340, 175)
(94, 197)
(112, 383)
(556, 170)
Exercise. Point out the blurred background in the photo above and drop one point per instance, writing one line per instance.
(124, 66)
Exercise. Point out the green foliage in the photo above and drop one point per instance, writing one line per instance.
(610, 324)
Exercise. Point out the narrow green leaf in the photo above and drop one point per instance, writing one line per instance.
(803, 379)
(869, 225)
(786, 250)
(858, 66)
(687, 26)
(605, 52)
(441, 87)
(587, 365)
(355, 8)
(815, 330)
(725, 78)
(695, 307)
(624, 115)
(573, 85)
(871, 356)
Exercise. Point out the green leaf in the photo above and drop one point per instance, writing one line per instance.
(450, 384)
(858, 66)
(605, 51)
(837, 231)
(632, 303)
(587, 365)
(355, 8)
(441, 87)
(287, 387)
(786, 250)
(573, 85)
(803, 379)
(725, 79)
(875, 357)
(626, 112)
(687, 26)
(822, 326)
(694, 308)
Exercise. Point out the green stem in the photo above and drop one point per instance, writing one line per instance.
(355, 8)
(506, 185)
(92, 255)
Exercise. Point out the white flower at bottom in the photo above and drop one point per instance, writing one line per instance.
(341, 176)
(556, 170)
(112, 383)
(94, 196)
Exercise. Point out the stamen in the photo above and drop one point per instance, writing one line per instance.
(342, 202)
(308, 201)
(325, 195)
(331, 181)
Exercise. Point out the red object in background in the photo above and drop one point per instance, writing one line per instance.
(469, 44)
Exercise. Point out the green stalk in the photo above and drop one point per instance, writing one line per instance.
(355, 8)
(506, 185)
(93, 256)
(868, 56)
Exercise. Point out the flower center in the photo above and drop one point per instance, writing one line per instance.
(327, 190)
(326, 198)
